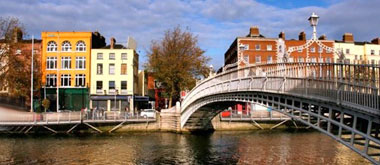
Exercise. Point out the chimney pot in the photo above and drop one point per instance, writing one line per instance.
(254, 31)
(282, 35)
(322, 37)
(302, 36)
(376, 41)
(348, 37)
(113, 41)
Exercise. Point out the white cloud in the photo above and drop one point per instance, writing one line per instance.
(216, 23)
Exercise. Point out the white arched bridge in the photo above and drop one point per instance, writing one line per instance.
(340, 100)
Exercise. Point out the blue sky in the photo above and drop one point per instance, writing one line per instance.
(216, 22)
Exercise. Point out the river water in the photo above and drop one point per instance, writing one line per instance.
(258, 147)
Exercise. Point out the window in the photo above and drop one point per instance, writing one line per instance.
(257, 46)
(356, 57)
(313, 59)
(99, 85)
(299, 49)
(361, 57)
(112, 69)
(99, 56)
(258, 59)
(269, 47)
(111, 85)
(81, 46)
(328, 60)
(246, 58)
(80, 80)
(51, 80)
(80, 63)
(372, 52)
(280, 48)
(320, 50)
(347, 51)
(65, 80)
(328, 50)
(99, 69)
(372, 62)
(51, 63)
(123, 85)
(66, 46)
(66, 62)
(18, 51)
(124, 56)
(243, 47)
(112, 56)
(52, 46)
(123, 69)
(269, 59)
(312, 49)
(300, 59)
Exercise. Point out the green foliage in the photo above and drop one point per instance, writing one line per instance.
(176, 61)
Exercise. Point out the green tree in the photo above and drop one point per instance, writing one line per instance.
(177, 61)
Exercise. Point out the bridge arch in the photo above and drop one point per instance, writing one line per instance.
(340, 100)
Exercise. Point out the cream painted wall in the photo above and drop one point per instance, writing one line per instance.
(376, 56)
(117, 77)
(355, 50)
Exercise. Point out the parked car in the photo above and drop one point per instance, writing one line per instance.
(148, 113)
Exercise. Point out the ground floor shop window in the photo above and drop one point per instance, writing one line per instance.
(100, 104)
(115, 105)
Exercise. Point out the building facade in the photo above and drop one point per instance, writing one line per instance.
(66, 66)
(358, 52)
(114, 77)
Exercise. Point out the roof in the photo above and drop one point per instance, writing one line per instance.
(356, 42)
(116, 46)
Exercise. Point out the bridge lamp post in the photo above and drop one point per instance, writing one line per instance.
(313, 19)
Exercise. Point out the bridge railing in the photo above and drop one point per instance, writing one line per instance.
(49, 117)
(355, 85)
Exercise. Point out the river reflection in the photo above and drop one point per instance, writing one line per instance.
(259, 147)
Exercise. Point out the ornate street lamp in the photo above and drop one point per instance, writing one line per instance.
(313, 19)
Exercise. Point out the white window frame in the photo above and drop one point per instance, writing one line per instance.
(68, 77)
(312, 49)
(372, 52)
(50, 60)
(80, 79)
(269, 59)
(269, 47)
(243, 47)
(110, 55)
(99, 56)
(256, 59)
(124, 56)
(257, 47)
(113, 69)
(300, 59)
(246, 58)
(328, 50)
(299, 50)
(81, 46)
(51, 76)
(52, 46)
(66, 46)
(65, 63)
(320, 50)
(80, 60)
(99, 71)
(347, 51)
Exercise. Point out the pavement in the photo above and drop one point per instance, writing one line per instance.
(9, 108)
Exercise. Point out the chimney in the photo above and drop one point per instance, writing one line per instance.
(348, 37)
(282, 35)
(17, 35)
(113, 41)
(254, 31)
(322, 37)
(376, 41)
(302, 36)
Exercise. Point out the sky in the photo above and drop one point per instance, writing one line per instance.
(216, 23)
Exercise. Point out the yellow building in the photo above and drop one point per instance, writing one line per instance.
(358, 52)
(114, 78)
(65, 63)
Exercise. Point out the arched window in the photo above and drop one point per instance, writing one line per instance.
(52, 46)
(66, 46)
(81, 46)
